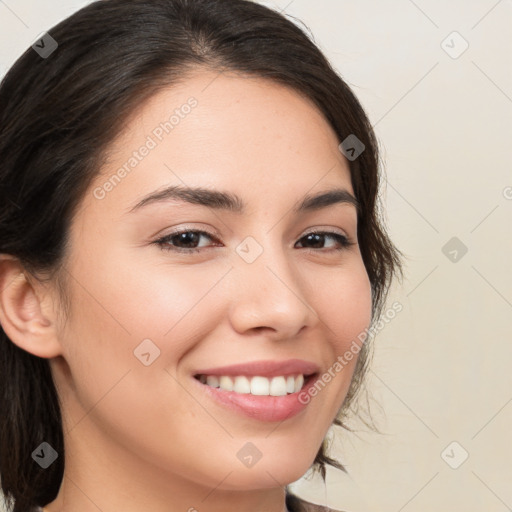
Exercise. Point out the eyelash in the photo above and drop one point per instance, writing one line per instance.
(163, 242)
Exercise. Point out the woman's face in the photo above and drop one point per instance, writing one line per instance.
(147, 319)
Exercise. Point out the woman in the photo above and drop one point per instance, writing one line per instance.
(190, 250)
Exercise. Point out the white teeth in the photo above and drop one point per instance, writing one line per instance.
(242, 385)
(278, 386)
(213, 381)
(290, 384)
(259, 386)
(226, 383)
(299, 382)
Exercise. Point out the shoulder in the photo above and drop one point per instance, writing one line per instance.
(296, 504)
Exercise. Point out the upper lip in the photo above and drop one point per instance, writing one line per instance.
(268, 368)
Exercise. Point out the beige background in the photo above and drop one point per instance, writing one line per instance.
(441, 371)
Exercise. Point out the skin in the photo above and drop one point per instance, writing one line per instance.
(144, 437)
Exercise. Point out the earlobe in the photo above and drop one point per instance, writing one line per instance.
(23, 313)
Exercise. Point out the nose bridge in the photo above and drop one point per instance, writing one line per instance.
(269, 293)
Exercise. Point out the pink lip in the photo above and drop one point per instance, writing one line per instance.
(268, 368)
(262, 408)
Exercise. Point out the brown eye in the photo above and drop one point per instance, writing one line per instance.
(183, 241)
(317, 240)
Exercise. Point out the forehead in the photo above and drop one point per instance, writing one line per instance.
(224, 130)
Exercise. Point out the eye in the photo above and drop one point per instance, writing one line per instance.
(189, 240)
(318, 238)
(183, 241)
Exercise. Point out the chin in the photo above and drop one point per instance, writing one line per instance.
(277, 470)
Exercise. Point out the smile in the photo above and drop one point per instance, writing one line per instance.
(281, 385)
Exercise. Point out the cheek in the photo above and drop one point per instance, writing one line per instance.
(117, 312)
(147, 297)
(345, 308)
(345, 305)
(118, 303)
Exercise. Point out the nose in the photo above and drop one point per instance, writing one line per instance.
(270, 295)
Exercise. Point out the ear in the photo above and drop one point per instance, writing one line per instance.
(26, 310)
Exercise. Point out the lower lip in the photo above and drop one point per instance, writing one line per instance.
(262, 408)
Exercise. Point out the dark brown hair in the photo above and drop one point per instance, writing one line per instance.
(58, 116)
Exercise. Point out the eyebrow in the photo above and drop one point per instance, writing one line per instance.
(228, 201)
